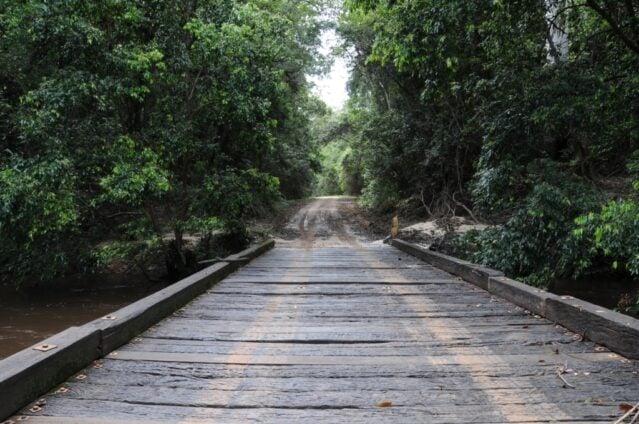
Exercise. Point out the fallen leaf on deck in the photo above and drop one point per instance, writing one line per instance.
(384, 404)
(624, 407)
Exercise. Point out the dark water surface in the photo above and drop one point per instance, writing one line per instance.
(605, 289)
(29, 316)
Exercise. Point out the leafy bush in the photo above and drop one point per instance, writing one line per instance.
(612, 235)
(531, 244)
(39, 217)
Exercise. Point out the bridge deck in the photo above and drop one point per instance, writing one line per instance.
(334, 335)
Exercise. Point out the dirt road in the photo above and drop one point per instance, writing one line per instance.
(327, 222)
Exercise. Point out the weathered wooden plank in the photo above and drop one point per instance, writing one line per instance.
(619, 332)
(131, 320)
(329, 271)
(494, 340)
(333, 287)
(293, 336)
(326, 279)
(319, 325)
(291, 418)
(356, 324)
(331, 396)
(360, 299)
(301, 335)
(615, 387)
(491, 372)
(284, 417)
(309, 313)
(473, 273)
(360, 258)
(337, 265)
(420, 413)
(30, 373)
(444, 360)
(411, 348)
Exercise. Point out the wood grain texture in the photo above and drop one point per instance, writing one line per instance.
(327, 334)
(601, 325)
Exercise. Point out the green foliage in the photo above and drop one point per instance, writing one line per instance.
(532, 240)
(612, 235)
(295, 161)
(473, 105)
(130, 123)
(337, 169)
(340, 166)
(38, 211)
(136, 175)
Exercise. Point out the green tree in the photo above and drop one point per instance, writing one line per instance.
(140, 122)
(524, 111)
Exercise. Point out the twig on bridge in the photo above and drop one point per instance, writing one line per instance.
(627, 414)
(562, 370)
(564, 380)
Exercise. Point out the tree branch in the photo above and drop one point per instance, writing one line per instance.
(616, 29)
(464, 207)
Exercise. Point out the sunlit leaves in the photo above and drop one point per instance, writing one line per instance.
(36, 199)
(38, 206)
(136, 176)
(612, 232)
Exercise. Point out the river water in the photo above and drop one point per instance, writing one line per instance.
(29, 316)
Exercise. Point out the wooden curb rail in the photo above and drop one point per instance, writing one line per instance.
(616, 331)
(31, 373)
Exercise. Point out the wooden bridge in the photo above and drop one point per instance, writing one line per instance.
(354, 334)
